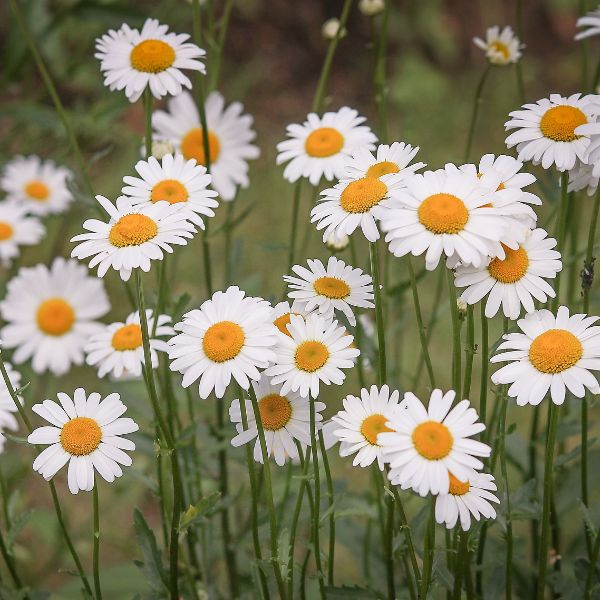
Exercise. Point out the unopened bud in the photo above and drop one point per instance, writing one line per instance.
(330, 29)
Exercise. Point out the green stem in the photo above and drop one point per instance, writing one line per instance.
(592, 567)
(374, 257)
(461, 564)
(477, 103)
(387, 527)
(6, 555)
(509, 531)
(485, 364)
(379, 78)
(403, 522)
(224, 26)
(96, 557)
(330, 500)
(294, 226)
(469, 351)
(561, 231)
(269, 493)
(428, 552)
(456, 350)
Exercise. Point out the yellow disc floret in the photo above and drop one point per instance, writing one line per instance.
(275, 411)
(555, 351)
(382, 168)
(6, 231)
(128, 337)
(311, 356)
(282, 322)
(432, 440)
(192, 146)
(559, 123)
(331, 287)
(362, 195)
(223, 341)
(170, 190)
(152, 56)
(443, 213)
(80, 436)
(55, 316)
(457, 487)
(37, 190)
(323, 142)
(372, 426)
(512, 268)
(132, 230)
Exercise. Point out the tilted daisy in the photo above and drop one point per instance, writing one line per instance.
(554, 131)
(284, 417)
(326, 289)
(7, 405)
(501, 47)
(321, 145)
(554, 353)
(50, 314)
(134, 236)
(282, 312)
(316, 350)
(17, 229)
(133, 60)
(388, 159)
(349, 205)
(591, 21)
(230, 137)
(583, 177)
(361, 422)
(472, 497)
(230, 335)
(516, 280)
(444, 212)
(173, 180)
(117, 350)
(40, 185)
(428, 443)
(84, 431)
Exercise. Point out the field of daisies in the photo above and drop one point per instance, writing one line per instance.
(299, 305)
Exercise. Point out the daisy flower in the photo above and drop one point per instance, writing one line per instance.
(17, 229)
(230, 137)
(472, 497)
(554, 353)
(583, 177)
(134, 60)
(327, 289)
(444, 212)
(40, 185)
(230, 335)
(282, 312)
(173, 180)
(134, 236)
(514, 281)
(388, 159)
(592, 21)
(316, 350)
(349, 205)
(50, 314)
(118, 350)
(320, 146)
(555, 130)
(333, 243)
(284, 417)
(501, 47)
(427, 443)
(7, 405)
(362, 420)
(85, 432)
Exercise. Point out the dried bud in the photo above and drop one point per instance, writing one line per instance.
(461, 307)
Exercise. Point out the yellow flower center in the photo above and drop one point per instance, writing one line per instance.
(512, 268)
(37, 190)
(275, 411)
(311, 356)
(283, 321)
(55, 316)
(322, 142)
(223, 341)
(152, 56)
(128, 337)
(559, 123)
(6, 231)
(171, 190)
(132, 230)
(554, 351)
(382, 168)
(192, 146)
(443, 213)
(362, 195)
(372, 426)
(331, 287)
(457, 487)
(80, 436)
(432, 440)
(501, 49)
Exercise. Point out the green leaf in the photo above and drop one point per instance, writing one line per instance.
(587, 519)
(202, 510)
(151, 566)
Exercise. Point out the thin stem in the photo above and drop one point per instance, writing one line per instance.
(215, 71)
(561, 230)
(469, 351)
(519, 64)
(269, 494)
(6, 555)
(403, 522)
(428, 552)
(509, 531)
(379, 75)
(548, 485)
(294, 226)
(592, 568)
(485, 363)
(330, 500)
(461, 564)
(476, 104)
(387, 527)
(374, 257)
(96, 557)
(456, 351)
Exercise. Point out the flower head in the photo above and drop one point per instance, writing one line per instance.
(17, 229)
(591, 21)
(7, 404)
(501, 47)
(332, 28)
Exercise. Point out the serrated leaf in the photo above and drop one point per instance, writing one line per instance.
(17, 523)
(151, 566)
(587, 519)
(200, 511)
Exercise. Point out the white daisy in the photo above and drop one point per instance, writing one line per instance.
(472, 497)
(350, 203)
(40, 185)
(514, 281)
(282, 312)
(175, 181)
(583, 177)
(320, 146)
(118, 350)
(230, 335)
(134, 236)
(85, 432)
(552, 354)
(230, 137)
(444, 212)
(362, 420)
(426, 444)
(333, 243)
(285, 418)
(133, 60)
(7, 404)
(327, 289)
(555, 130)
(17, 229)
(501, 47)
(316, 350)
(388, 159)
(50, 313)
(592, 21)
